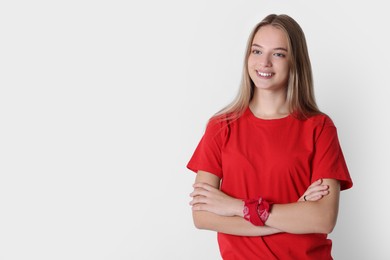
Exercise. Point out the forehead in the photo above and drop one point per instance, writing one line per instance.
(269, 36)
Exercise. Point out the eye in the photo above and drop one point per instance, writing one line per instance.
(256, 52)
(281, 55)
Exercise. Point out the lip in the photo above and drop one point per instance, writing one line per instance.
(264, 75)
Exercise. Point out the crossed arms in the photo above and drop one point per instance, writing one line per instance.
(214, 210)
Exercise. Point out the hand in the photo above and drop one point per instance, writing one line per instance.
(315, 191)
(208, 198)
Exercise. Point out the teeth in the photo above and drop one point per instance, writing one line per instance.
(265, 74)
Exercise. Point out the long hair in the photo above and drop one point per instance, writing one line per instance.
(300, 92)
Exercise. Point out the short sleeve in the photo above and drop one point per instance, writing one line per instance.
(207, 155)
(328, 160)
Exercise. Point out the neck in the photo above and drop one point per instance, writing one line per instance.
(269, 104)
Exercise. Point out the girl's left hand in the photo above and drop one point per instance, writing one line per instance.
(315, 191)
(208, 198)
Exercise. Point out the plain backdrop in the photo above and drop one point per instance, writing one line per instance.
(103, 102)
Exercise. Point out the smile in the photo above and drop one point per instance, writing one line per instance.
(263, 74)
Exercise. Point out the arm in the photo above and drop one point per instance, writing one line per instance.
(309, 217)
(233, 225)
(318, 215)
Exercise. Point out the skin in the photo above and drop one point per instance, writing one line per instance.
(214, 210)
(269, 55)
(268, 67)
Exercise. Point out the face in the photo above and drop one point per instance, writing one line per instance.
(268, 60)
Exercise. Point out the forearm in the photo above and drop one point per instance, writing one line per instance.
(307, 217)
(230, 225)
(214, 210)
(301, 218)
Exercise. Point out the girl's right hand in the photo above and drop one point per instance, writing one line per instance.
(315, 191)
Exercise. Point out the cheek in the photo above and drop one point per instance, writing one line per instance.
(249, 66)
(285, 68)
(251, 62)
(251, 70)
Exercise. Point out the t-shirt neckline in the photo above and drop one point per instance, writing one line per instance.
(271, 121)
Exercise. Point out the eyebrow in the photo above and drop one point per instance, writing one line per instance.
(276, 49)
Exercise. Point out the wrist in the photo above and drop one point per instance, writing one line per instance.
(257, 211)
(239, 208)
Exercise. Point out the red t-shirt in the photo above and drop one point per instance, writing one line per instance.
(277, 159)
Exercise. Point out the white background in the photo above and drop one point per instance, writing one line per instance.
(103, 102)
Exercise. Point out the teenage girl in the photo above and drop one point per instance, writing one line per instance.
(269, 166)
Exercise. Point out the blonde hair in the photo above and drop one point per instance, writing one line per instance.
(300, 92)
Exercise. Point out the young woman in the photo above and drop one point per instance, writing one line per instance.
(269, 166)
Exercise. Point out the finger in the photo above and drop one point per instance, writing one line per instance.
(317, 188)
(303, 198)
(197, 200)
(314, 196)
(199, 192)
(203, 185)
(316, 183)
(199, 207)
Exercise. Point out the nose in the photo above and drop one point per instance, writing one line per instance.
(265, 60)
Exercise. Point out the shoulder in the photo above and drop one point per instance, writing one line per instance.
(323, 127)
(317, 124)
(221, 125)
(320, 120)
(216, 125)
